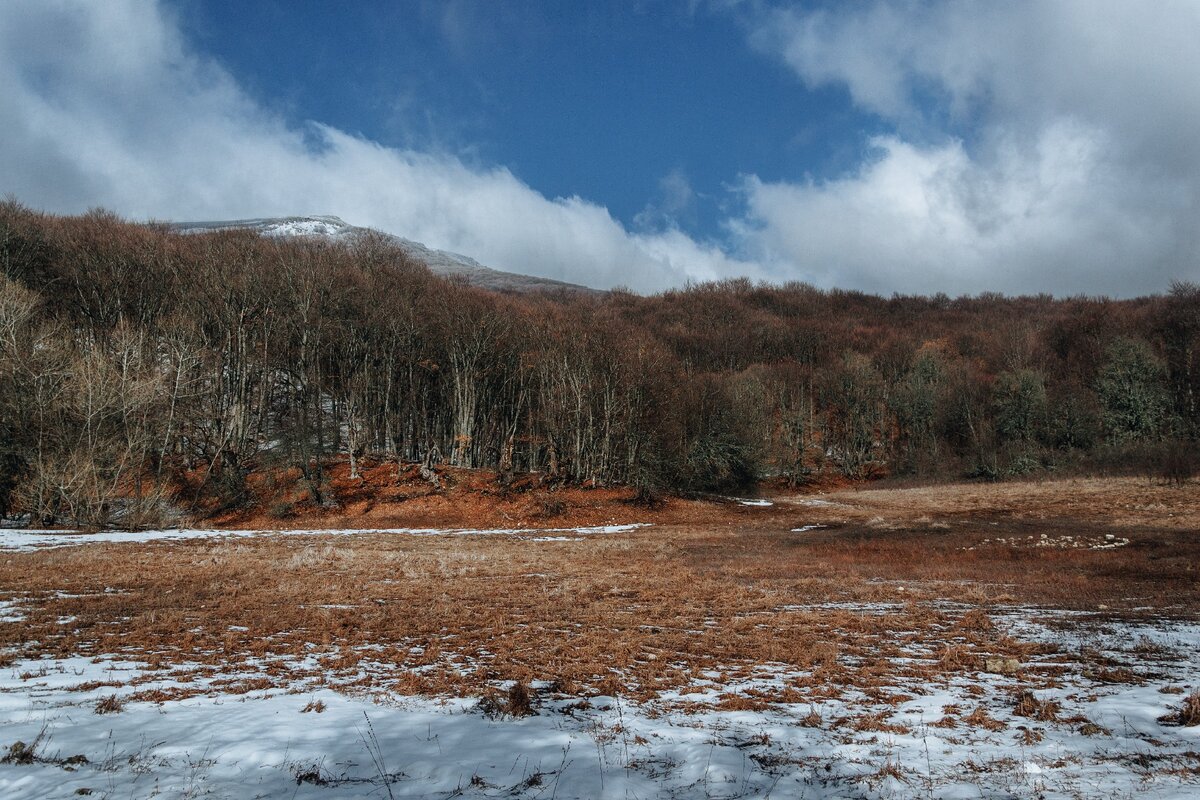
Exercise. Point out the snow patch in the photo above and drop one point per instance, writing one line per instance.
(312, 742)
(26, 540)
(753, 501)
(815, 502)
(11, 611)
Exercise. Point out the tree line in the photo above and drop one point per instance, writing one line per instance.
(143, 370)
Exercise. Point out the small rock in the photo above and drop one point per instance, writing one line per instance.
(1002, 666)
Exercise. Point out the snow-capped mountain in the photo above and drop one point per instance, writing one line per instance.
(440, 262)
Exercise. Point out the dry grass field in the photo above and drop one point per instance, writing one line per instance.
(811, 600)
(637, 612)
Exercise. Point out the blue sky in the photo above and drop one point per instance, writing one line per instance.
(629, 106)
(910, 146)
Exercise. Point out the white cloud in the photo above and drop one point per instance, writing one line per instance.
(934, 219)
(676, 202)
(1082, 168)
(104, 105)
(1036, 147)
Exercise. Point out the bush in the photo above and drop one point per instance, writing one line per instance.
(1180, 463)
(1132, 390)
(718, 463)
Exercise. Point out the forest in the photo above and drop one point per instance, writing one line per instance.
(145, 373)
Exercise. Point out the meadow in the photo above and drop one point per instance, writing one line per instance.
(1005, 640)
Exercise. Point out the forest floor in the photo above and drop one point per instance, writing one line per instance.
(999, 640)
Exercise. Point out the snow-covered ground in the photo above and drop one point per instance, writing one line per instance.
(27, 539)
(1103, 740)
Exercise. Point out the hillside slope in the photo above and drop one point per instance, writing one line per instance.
(440, 262)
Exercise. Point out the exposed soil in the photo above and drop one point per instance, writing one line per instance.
(384, 496)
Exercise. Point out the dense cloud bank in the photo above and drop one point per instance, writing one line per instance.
(1041, 146)
(1034, 147)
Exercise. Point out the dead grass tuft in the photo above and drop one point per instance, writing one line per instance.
(89, 686)
(956, 658)
(110, 705)
(517, 701)
(1115, 675)
(981, 719)
(1188, 713)
(740, 702)
(1027, 704)
(879, 722)
(890, 770)
(21, 753)
(976, 621)
(520, 700)
(1029, 736)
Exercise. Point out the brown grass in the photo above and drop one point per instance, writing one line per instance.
(110, 705)
(709, 587)
(1188, 713)
(1029, 705)
(383, 498)
(518, 701)
(1113, 503)
(979, 718)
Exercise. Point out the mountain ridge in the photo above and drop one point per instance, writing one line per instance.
(443, 263)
